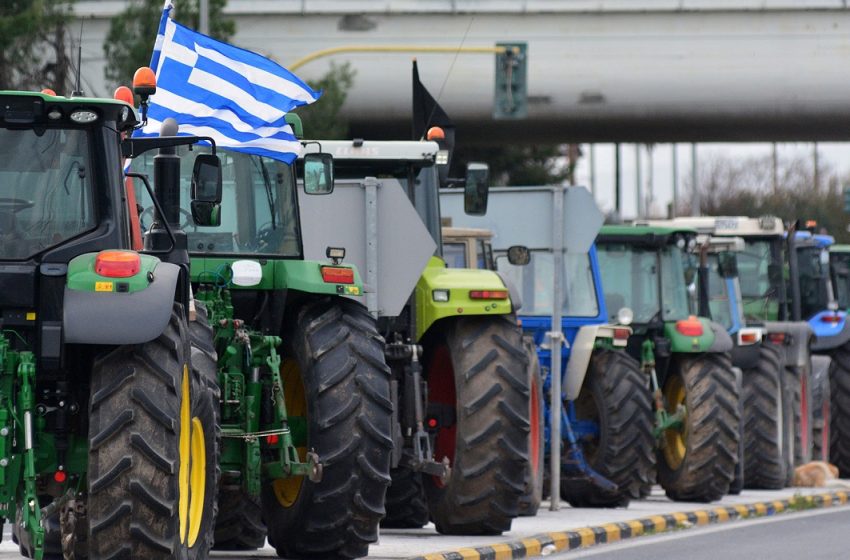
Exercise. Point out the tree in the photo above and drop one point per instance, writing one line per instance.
(132, 33)
(746, 187)
(34, 52)
(321, 119)
(517, 165)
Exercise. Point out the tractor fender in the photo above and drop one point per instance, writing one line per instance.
(722, 341)
(796, 348)
(121, 318)
(832, 341)
(581, 351)
(516, 297)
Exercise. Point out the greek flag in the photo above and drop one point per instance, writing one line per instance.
(234, 96)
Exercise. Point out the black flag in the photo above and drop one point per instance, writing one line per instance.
(428, 113)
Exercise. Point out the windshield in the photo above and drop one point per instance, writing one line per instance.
(455, 255)
(839, 264)
(258, 207)
(759, 291)
(814, 294)
(718, 294)
(426, 186)
(45, 189)
(631, 278)
(534, 282)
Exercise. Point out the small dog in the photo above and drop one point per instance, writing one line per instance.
(818, 474)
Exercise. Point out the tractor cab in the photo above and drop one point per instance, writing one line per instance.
(839, 266)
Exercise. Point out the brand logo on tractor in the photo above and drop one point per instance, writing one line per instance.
(103, 286)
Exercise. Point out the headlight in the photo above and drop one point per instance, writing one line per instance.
(440, 295)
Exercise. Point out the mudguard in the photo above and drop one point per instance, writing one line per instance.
(121, 318)
(829, 335)
(581, 351)
(797, 351)
(722, 341)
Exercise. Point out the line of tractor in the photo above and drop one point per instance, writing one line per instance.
(243, 351)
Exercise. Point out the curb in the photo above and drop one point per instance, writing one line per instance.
(613, 532)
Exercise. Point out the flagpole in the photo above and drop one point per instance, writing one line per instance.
(204, 17)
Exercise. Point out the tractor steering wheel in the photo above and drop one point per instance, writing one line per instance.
(148, 214)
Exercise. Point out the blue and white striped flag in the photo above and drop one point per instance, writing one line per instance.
(234, 96)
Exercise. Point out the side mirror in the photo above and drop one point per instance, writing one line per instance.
(476, 188)
(205, 213)
(519, 255)
(318, 173)
(206, 179)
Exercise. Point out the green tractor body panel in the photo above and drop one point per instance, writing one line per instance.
(688, 344)
(458, 283)
(277, 274)
(82, 276)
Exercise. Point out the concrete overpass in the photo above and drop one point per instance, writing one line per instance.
(598, 70)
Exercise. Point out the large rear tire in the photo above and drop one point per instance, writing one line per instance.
(476, 368)
(152, 452)
(764, 437)
(529, 503)
(334, 371)
(839, 425)
(615, 399)
(697, 463)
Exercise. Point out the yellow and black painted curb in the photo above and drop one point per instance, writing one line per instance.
(612, 532)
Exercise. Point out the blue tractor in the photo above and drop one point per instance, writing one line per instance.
(608, 449)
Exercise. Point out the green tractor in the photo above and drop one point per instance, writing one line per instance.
(306, 409)
(646, 272)
(108, 422)
(459, 369)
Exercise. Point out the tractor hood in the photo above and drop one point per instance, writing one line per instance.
(450, 292)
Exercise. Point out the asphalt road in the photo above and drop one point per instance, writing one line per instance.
(811, 535)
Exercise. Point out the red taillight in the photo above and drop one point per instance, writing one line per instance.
(776, 337)
(272, 439)
(60, 476)
(117, 264)
(488, 294)
(689, 327)
(832, 319)
(337, 275)
(749, 338)
(621, 334)
(432, 422)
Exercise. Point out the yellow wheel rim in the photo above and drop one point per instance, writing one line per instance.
(192, 475)
(185, 454)
(198, 479)
(287, 489)
(675, 440)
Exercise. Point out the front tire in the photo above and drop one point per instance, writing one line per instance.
(697, 463)
(152, 452)
(476, 368)
(334, 371)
